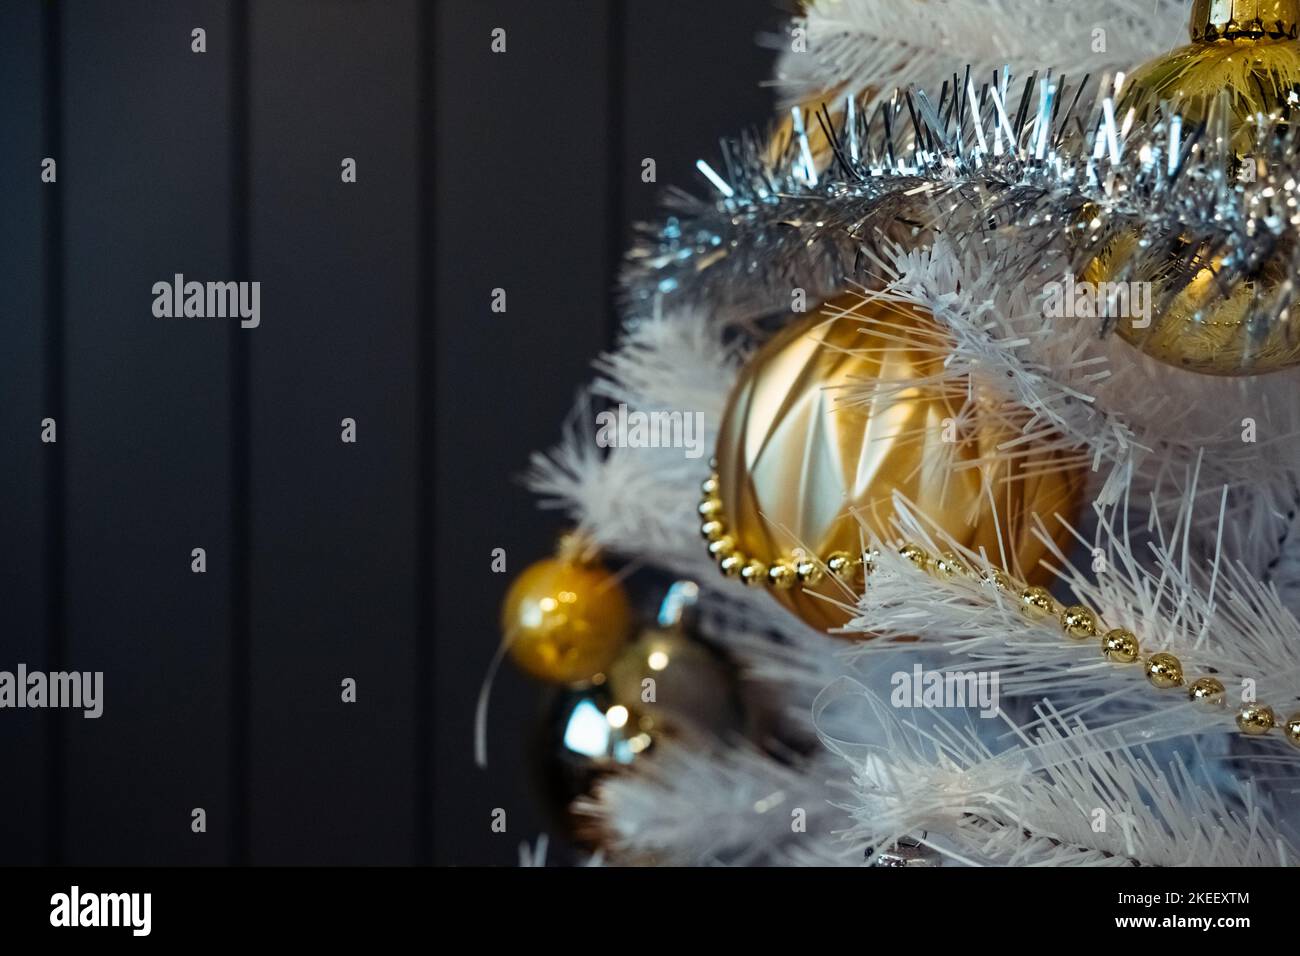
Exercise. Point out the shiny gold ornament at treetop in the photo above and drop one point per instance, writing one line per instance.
(1242, 67)
(832, 417)
(566, 618)
(1246, 49)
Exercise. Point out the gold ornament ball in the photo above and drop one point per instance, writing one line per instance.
(1245, 48)
(916, 555)
(1292, 730)
(841, 564)
(1244, 58)
(733, 564)
(669, 682)
(565, 620)
(1164, 671)
(997, 578)
(1120, 646)
(722, 547)
(808, 452)
(754, 573)
(664, 684)
(1079, 622)
(1256, 720)
(809, 572)
(948, 566)
(1207, 690)
(1038, 603)
(782, 575)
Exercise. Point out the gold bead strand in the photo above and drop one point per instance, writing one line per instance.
(1163, 671)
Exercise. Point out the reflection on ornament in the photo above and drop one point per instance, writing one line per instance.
(583, 736)
(906, 852)
(1246, 48)
(1196, 326)
(565, 618)
(664, 683)
(1242, 68)
(800, 468)
(671, 681)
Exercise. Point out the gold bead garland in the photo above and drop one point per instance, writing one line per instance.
(798, 567)
(1163, 670)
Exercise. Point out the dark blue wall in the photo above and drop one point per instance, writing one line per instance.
(325, 560)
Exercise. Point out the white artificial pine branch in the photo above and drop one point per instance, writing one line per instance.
(1061, 798)
(734, 805)
(641, 500)
(1062, 795)
(1212, 614)
(888, 44)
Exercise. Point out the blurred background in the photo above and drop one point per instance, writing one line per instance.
(325, 560)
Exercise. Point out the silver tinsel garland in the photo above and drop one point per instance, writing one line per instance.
(1054, 170)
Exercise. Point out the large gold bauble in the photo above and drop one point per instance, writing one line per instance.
(565, 620)
(1244, 59)
(798, 466)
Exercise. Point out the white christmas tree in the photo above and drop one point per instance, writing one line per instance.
(1183, 748)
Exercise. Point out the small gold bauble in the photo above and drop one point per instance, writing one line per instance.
(840, 564)
(1243, 62)
(1208, 690)
(722, 547)
(1079, 622)
(733, 564)
(713, 530)
(916, 555)
(1292, 730)
(668, 682)
(809, 452)
(710, 508)
(949, 566)
(1164, 671)
(809, 572)
(709, 487)
(665, 683)
(754, 573)
(997, 578)
(1120, 646)
(1038, 603)
(1256, 720)
(782, 575)
(565, 620)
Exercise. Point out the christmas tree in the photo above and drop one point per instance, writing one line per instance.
(965, 410)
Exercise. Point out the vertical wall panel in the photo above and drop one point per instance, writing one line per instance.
(534, 174)
(522, 206)
(695, 74)
(333, 524)
(146, 183)
(23, 403)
